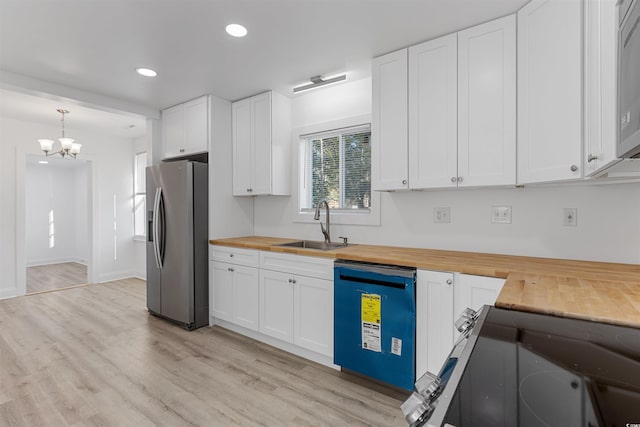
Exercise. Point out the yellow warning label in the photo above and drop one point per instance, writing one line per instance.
(371, 308)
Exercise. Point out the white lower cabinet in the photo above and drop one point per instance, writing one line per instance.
(234, 286)
(234, 294)
(282, 296)
(440, 299)
(276, 304)
(296, 308)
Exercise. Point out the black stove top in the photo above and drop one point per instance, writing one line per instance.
(538, 370)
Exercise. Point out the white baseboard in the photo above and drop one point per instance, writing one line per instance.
(51, 261)
(115, 275)
(274, 342)
(142, 275)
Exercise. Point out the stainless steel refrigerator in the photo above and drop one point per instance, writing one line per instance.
(177, 242)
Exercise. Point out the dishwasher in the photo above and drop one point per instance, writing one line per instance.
(375, 321)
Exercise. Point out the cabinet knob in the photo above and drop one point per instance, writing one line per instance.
(404, 182)
(591, 158)
(231, 255)
(290, 280)
(449, 281)
(574, 168)
(182, 150)
(249, 190)
(459, 179)
(293, 281)
(454, 179)
(230, 269)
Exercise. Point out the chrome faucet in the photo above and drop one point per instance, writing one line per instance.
(325, 230)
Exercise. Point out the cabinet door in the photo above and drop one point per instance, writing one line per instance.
(549, 91)
(173, 137)
(600, 85)
(474, 292)
(221, 304)
(433, 113)
(242, 147)
(276, 304)
(487, 104)
(246, 297)
(196, 125)
(313, 314)
(434, 317)
(389, 128)
(261, 155)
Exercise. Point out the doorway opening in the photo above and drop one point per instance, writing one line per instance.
(57, 245)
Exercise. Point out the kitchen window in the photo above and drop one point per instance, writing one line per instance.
(337, 168)
(139, 198)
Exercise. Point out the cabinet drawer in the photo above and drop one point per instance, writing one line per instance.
(321, 268)
(231, 255)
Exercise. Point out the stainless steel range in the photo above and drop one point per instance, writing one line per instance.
(512, 368)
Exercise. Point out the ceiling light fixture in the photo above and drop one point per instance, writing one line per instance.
(43, 162)
(68, 147)
(236, 30)
(147, 72)
(317, 81)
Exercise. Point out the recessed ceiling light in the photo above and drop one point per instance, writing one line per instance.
(43, 162)
(236, 30)
(147, 72)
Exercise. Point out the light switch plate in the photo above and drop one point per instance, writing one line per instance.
(501, 214)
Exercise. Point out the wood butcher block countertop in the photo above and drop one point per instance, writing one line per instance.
(604, 292)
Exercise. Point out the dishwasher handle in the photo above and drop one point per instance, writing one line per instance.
(371, 281)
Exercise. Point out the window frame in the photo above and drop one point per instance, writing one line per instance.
(136, 194)
(342, 216)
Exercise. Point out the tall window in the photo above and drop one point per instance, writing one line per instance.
(336, 167)
(139, 198)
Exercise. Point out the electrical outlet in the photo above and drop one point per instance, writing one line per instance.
(571, 217)
(442, 215)
(501, 214)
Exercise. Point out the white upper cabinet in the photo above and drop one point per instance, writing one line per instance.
(261, 145)
(185, 128)
(487, 104)
(389, 168)
(549, 91)
(461, 96)
(600, 73)
(433, 113)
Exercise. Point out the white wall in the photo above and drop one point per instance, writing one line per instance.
(111, 159)
(62, 190)
(139, 246)
(608, 215)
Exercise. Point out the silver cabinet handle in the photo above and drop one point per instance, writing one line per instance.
(231, 269)
(574, 168)
(404, 182)
(454, 179)
(449, 281)
(591, 158)
(459, 179)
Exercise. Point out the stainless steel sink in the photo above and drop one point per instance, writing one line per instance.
(314, 244)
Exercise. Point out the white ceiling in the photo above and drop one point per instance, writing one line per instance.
(96, 45)
(43, 110)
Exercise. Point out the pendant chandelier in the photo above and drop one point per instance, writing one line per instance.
(68, 147)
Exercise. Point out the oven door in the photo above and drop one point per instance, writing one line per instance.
(629, 85)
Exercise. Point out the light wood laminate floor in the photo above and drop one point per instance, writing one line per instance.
(43, 278)
(92, 355)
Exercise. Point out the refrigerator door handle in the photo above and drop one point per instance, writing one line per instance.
(156, 210)
(163, 231)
